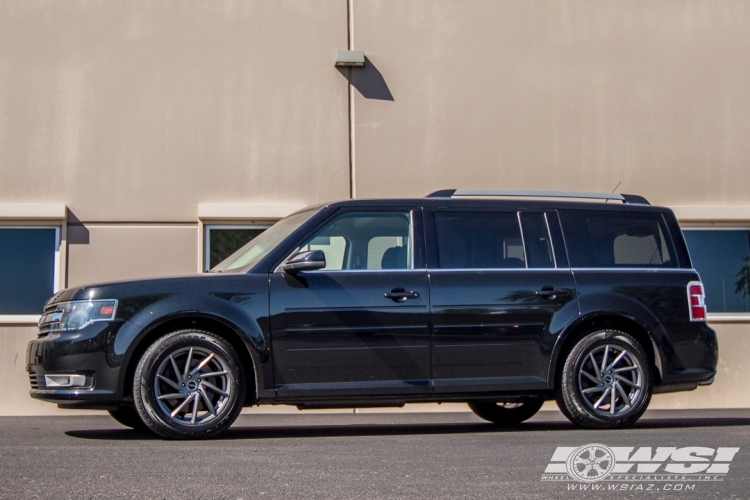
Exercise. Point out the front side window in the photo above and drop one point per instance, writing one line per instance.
(479, 240)
(28, 268)
(365, 240)
(722, 258)
(601, 239)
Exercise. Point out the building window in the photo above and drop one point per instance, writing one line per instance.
(29, 268)
(223, 240)
(722, 258)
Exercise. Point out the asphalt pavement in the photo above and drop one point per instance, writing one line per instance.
(373, 455)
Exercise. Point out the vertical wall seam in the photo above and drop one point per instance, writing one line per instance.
(350, 99)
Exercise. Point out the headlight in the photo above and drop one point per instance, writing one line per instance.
(78, 314)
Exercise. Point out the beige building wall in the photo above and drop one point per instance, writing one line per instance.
(99, 253)
(578, 95)
(139, 111)
(133, 114)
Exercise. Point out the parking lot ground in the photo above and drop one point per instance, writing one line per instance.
(362, 455)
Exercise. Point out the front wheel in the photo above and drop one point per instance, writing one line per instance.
(189, 385)
(506, 413)
(605, 381)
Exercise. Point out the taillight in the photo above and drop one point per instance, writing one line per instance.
(696, 301)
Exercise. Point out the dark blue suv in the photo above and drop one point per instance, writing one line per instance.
(500, 299)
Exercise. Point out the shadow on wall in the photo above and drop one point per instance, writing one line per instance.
(368, 81)
(78, 234)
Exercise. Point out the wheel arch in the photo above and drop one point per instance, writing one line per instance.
(604, 321)
(249, 357)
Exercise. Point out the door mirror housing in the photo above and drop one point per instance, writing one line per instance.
(304, 261)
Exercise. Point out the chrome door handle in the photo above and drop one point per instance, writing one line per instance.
(549, 292)
(400, 295)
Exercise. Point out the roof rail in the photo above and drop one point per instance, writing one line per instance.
(625, 198)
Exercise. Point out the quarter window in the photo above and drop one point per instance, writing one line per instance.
(722, 258)
(601, 239)
(29, 260)
(479, 240)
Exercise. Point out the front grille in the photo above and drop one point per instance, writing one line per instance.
(50, 317)
(37, 381)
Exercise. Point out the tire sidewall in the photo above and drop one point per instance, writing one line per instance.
(576, 407)
(145, 375)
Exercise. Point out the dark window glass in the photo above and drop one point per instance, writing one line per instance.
(614, 239)
(27, 269)
(224, 242)
(365, 240)
(479, 240)
(537, 241)
(722, 258)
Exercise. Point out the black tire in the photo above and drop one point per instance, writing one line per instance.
(128, 416)
(200, 407)
(586, 400)
(506, 413)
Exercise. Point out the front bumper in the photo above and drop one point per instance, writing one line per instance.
(87, 354)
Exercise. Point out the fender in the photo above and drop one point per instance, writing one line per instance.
(240, 313)
(614, 305)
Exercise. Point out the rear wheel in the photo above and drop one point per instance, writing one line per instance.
(128, 416)
(189, 385)
(506, 413)
(605, 381)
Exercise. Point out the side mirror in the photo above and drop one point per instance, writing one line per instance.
(304, 261)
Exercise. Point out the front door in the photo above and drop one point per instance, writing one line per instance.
(497, 295)
(360, 325)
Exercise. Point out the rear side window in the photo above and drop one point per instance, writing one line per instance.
(617, 239)
(479, 240)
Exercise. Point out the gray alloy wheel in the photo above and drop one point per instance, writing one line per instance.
(506, 413)
(189, 384)
(605, 381)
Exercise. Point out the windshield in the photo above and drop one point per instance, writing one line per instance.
(258, 247)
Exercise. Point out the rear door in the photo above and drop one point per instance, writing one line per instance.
(499, 294)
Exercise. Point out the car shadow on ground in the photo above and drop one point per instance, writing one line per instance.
(239, 432)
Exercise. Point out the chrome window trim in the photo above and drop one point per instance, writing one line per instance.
(523, 240)
(278, 271)
(501, 269)
(639, 269)
(715, 228)
(551, 243)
